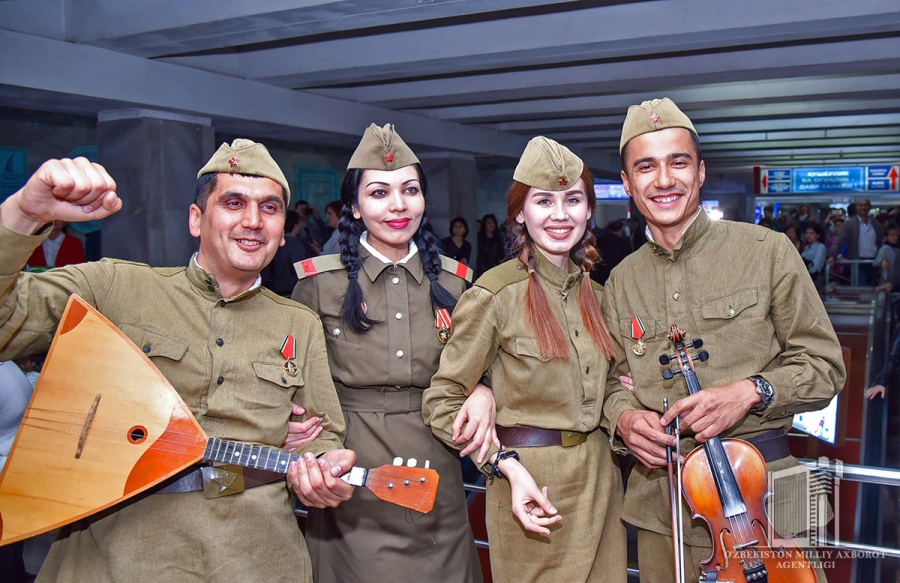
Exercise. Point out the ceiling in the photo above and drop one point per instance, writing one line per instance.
(767, 82)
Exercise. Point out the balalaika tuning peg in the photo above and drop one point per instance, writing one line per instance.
(696, 343)
(668, 373)
(665, 359)
(702, 356)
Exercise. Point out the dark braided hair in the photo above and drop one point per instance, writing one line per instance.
(349, 230)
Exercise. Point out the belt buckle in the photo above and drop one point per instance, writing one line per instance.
(222, 480)
(572, 438)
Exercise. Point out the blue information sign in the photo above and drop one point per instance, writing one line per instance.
(850, 179)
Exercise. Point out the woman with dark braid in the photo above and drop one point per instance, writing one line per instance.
(534, 324)
(386, 303)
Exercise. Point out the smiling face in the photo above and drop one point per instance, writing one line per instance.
(391, 205)
(556, 220)
(663, 175)
(240, 229)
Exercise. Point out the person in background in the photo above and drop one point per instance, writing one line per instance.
(57, 250)
(386, 304)
(491, 245)
(332, 217)
(455, 246)
(791, 231)
(534, 326)
(861, 236)
(15, 392)
(279, 275)
(613, 246)
(887, 373)
(814, 252)
(887, 261)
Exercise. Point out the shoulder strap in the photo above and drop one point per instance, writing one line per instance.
(314, 265)
(507, 273)
(460, 270)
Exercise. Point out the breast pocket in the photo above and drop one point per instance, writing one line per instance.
(731, 306)
(528, 347)
(154, 344)
(276, 389)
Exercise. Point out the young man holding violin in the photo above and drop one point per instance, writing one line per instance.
(745, 292)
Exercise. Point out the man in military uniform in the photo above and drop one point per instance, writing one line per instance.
(218, 337)
(744, 290)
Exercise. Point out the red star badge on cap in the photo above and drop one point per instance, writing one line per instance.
(654, 118)
(388, 157)
(234, 161)
(563, 182)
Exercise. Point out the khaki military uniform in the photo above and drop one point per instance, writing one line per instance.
(745, 292)
(491, 334)
(380, 377)
(223, 357)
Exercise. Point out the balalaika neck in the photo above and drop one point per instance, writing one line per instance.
(729, 491)
(248, 456)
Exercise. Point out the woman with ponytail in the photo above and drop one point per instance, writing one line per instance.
(386, 303)
(534, 326)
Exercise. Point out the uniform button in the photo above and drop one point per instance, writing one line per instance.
(399, 354)
(220, 380)
(146, 349)
(587, 370)
(211, 287)
(399, 316)
(730, 312)
(520, 266)
(395, 280)
(219, 341)
(676, 296)
(576, 333)
(336, 331)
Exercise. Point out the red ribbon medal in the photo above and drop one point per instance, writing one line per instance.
(637, 332)
(289, 351)
(442, 323)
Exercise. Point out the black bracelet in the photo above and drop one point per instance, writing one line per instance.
(502, 455)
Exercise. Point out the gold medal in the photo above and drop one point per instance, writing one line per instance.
(291, 369)
(639, 348)
(444, 335)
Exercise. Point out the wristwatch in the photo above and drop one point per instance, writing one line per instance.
(765, 391)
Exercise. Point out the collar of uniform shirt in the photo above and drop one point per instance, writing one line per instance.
(364, 241)
(650, 235)
(255, 285)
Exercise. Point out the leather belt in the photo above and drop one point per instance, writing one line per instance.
(773, 445)
(220, 480)
(377, 401)
(537, 437)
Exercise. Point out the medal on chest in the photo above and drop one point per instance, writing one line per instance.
(637, 332)
(289, 351)
(442, 323)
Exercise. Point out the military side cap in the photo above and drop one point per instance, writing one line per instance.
(246, 157)
(652, 116)
(381, 149)
(548, 165)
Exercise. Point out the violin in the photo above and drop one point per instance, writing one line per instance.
(725, 484)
